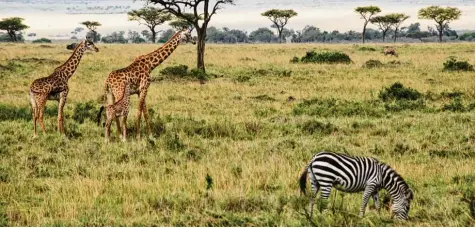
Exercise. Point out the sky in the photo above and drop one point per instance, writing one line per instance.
(57, 18)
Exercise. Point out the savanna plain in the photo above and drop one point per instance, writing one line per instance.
(229, 152)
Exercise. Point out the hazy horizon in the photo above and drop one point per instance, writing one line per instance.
(50, 18)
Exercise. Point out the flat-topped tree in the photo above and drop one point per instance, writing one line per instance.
(202, 11)
(279, 18)
(150, 17)
(179, 23)
(442, 16)
(397, 19)
(384, 23)
(13, 25)
(367, 12)
(92, 26)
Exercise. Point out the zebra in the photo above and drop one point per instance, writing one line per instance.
(355, 174)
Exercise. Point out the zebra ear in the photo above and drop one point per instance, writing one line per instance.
(409, 194)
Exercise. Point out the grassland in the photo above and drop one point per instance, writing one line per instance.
(251, 130)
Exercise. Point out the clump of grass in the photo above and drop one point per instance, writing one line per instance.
(316, 127)
(372, 63)
(364, 48)
(173, 142)
(263, 97)
(325, 57)
(399, 92)
(332, 107)
(452, 64)
(41, 40)
(242, 78)
(181, 71)
(83, 111)
(457, 105)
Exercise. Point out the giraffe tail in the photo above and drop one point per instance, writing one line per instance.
(98, 118)
(302, 181)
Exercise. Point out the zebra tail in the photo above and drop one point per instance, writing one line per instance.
(98, 118)
(302, 181)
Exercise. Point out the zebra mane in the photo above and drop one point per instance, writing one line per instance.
(399, 177)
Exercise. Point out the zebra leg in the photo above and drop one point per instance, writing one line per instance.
(314, 190)
(325, 192)
(369, 190)
(377, 204)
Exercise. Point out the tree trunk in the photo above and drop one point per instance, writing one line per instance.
(395, 36)
(12, 37)
(153, 35)
(440, 32)
(363, 32)
(201, 33)
(280, 33)
(384, 33)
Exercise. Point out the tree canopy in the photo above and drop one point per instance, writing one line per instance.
(202, 12)
(442, 16)
(397, 19)
(366, 13)
(150, 17)
(384, 23)
(13, 25)
(92, 26)
(279, 18)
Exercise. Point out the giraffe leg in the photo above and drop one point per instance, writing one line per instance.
(34, 112)
(41, 102)
(146, 117)
(140, 109)
(109, 118)
(62, 102)
(124, 128)
(118, 125)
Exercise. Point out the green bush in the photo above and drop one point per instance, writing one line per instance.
(83, 111)
(366, 49)
(398, 92)
(42, 40)
(326, 57)
(372, 64)
(316, 127)
(456, 106)
(295, 59)
(179, 71)
(452, 64)
(199, 74)
(332, 107)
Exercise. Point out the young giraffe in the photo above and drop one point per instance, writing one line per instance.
(120, 108)
(137, 76)
(55, 86)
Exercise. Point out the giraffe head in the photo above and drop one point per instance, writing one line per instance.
(186, 36)
(89, 45)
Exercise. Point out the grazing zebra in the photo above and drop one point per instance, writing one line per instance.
(356, 174)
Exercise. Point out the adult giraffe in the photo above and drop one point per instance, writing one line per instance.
(55, 86)
(137, 77)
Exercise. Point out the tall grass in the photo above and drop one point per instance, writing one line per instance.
(229, 152)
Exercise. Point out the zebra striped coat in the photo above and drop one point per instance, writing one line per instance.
(356, 174)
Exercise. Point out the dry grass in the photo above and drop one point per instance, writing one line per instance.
(253, 148)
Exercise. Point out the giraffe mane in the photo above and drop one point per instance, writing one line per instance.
(70, 57)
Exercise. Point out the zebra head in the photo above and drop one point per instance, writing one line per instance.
(401, 208)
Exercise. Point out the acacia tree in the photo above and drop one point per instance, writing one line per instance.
(279, 18)
(366, 13)
(92, 26)
(203, 10)
(150, 17)
(13, 25)
(384, 23)
(397, 19)
(180, 23)
(442, 16)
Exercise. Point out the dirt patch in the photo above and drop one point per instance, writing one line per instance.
(36, 60)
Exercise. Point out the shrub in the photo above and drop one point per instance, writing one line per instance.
(83, 111)
(295, 59)
(455, 106)
(333, 107)
(366, 49)
(398, 92)
(326, 57)
(242, 78)
(42, 40)
(313, 127)
(372, 64)
(452, 64)
(199, 74)
(179, 70)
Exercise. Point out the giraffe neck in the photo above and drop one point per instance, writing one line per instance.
(156, 57)
(69, 67)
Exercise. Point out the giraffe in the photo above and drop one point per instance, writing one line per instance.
(120, 108)
(55, 86)
(137, 76)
